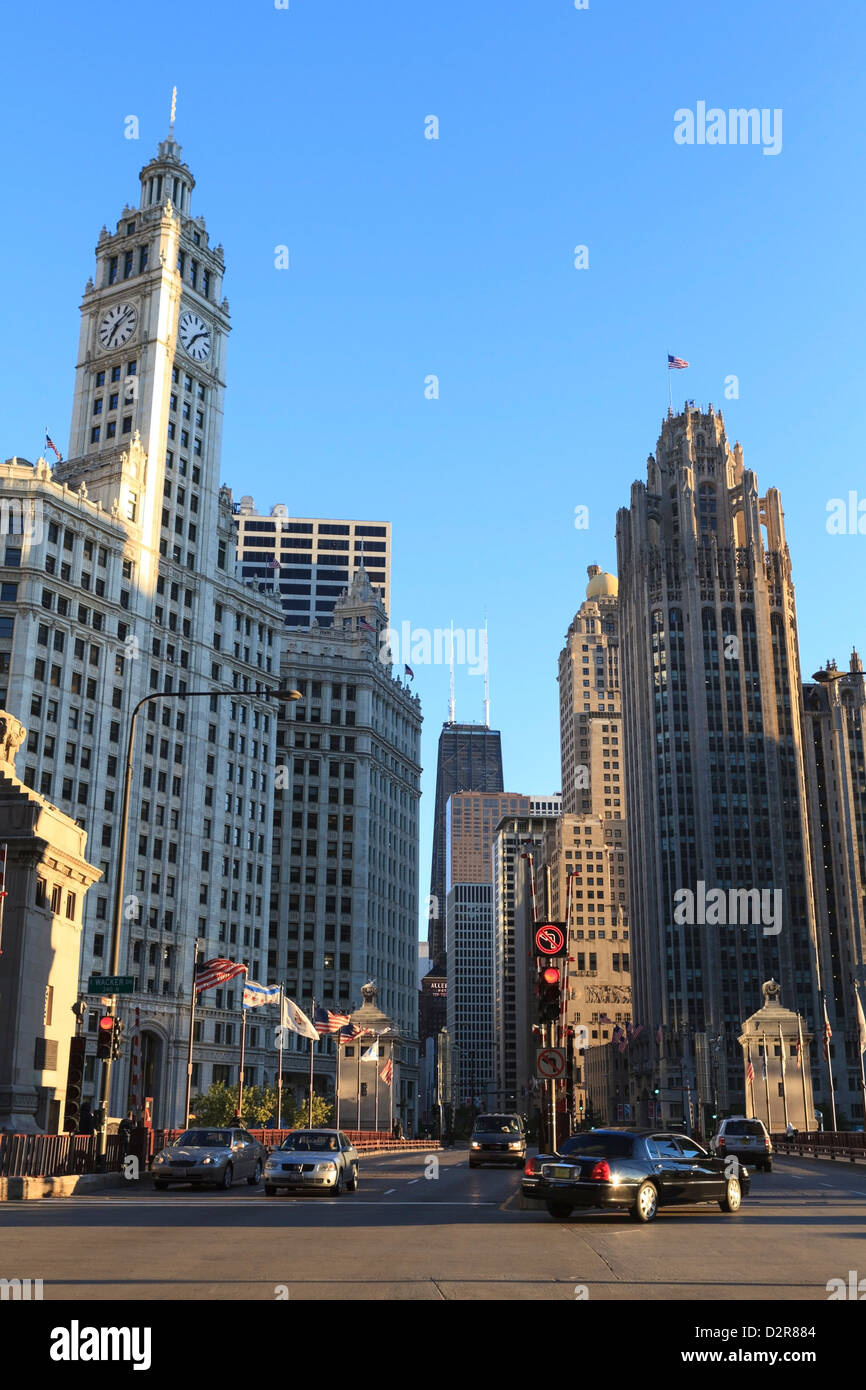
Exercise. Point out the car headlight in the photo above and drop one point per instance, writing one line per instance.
(325, 1167)
(518, 1145)
(209, 1159)
(271, 1163)
(160, 1158)
(475, 1144)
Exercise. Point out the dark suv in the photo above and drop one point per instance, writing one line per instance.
(497, 1139)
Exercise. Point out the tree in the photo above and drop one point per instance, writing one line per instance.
(219, 1105)
(322, 1111)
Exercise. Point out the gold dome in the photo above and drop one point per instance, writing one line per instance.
(601, 585)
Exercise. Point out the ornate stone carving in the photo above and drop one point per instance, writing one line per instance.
(12, 735)
(369, 992)
(771, 992)
(608, 994)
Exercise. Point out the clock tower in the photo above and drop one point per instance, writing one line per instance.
(150, 378)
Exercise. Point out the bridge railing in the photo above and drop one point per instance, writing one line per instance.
(55, 1155)
(822, 1144)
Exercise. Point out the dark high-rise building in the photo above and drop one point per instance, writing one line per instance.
(470, 760)
(719, 848)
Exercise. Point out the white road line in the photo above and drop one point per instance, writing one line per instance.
(411, 1180)
(390, 1190)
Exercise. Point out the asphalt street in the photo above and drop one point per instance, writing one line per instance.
(418, 1229)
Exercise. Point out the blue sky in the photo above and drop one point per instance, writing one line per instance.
(454, 257)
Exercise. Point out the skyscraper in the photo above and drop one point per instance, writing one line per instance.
(128, 561)
(470, 759)
(308, 562)
(714, 760)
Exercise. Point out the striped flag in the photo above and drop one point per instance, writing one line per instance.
(216, 972)
(256, 995)
(387, 1072)
(409, 672)
(49, 444)
(365, 626)
(828, 1033)
(326, 1022)
(750, 1070)
(861, 1024)
(676, 363)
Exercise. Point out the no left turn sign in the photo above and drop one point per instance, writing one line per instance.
(550, 1063)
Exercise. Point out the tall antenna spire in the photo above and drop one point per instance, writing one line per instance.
(451, 661)
(173, 113)
(486, 679)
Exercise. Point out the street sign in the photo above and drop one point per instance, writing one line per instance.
(111, 984)
(550, 1063)
(550, 939)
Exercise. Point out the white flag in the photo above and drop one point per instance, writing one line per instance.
(371, 1054)
(861, 1024)
(295, 1018)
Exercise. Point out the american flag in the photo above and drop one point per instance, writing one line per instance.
(349, 1031)
(750, 1073)
(828, 1033)
(676, 363)
(273, 564)
(367, 627)
(387, 1072)
(49, 444)
(326, 1022)
(216, 972)
(603, 1018)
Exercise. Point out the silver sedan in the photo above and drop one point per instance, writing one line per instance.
(311, 1159)
(210, 1157)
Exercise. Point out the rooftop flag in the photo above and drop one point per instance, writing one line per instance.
(676, 363)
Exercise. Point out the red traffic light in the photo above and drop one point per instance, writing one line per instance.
(550, 975)
(104, 1035)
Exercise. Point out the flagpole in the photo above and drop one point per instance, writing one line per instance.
(670, 390)
(337, 1087)
(360, 1050)
(751, 1079)
(803, 1073)
(280, 1072)
(243, 1051)
(312, 1054)
(376, 1069)
(185, 1120)
(391, 1092)
(767, 1083)
(828, 1059)
(784, 1086)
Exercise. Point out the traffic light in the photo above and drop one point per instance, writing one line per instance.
(549, 988)
(105, 1037)
(657, 1090)
(116, 1039)
(74, 1081)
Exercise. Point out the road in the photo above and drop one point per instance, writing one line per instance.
(455, 1235)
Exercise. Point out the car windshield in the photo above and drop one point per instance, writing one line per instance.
(599, 1146)
(741, 1127)
(312, 1143)
(497, 1124)
(205, 1139)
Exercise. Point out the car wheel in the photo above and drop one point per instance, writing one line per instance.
(160, 1186)
(338, 1185)
(354, 1180)
(256, 1177)
(646, 1203)
(733, 1195)
(560, 1211)
(270, 1190)
(228, 1178)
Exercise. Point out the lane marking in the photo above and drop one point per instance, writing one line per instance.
(411, 1180)
(390, 1190)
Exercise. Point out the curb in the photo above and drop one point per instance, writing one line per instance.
(28, 1189)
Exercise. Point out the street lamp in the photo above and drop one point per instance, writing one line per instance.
(117, 925)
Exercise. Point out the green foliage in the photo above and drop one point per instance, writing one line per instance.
(219, 1105)
(322, 1112)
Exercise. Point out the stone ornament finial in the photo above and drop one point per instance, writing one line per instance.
(771, 992)
(369, 992)
(12, 735)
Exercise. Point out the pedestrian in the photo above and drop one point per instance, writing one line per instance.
(85, 1118)
(124, 1131)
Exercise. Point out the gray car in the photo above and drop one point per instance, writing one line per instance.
(313, 1159)
(214, 1157)
(497, 1139)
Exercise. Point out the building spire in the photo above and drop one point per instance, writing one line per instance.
(173, 113)
(486, 679)
(451, 663)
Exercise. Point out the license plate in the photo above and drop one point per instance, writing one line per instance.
(558, 1172)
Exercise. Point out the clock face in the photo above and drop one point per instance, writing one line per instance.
(195, 336)
(117, 326)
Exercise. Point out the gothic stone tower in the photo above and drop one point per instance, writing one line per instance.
(714, 760)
